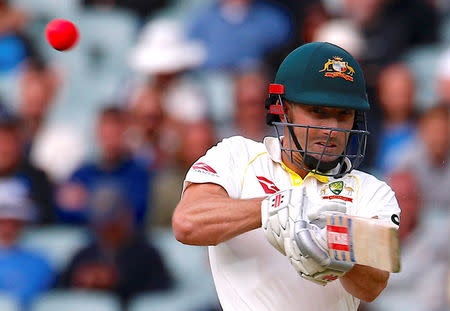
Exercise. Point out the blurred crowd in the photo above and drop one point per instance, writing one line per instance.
(100, 137)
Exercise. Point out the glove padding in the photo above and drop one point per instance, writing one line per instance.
(287, 227)
(317, 216)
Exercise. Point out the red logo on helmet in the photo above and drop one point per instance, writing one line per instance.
(268, 186)
(204, 167)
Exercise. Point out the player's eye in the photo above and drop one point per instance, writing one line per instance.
(346, 112)
(318, 111)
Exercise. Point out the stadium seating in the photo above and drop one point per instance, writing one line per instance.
(218, 86)
(43, 11)
(423, 62)
(194, 287)
(8, 303)
(9, 89)
(107, 37)
(181, 9)
(57, 243)
(189, 266)
(49, 8)
(72, 300)
(97, 67)
(445, 30)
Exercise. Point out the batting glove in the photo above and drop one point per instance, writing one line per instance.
(287, 227)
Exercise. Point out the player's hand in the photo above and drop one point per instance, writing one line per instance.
(317, 215)
(287, 227)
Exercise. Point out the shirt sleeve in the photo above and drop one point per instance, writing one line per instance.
(377, 200)
(223, 165)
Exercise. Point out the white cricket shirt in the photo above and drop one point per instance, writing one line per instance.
(249, 273)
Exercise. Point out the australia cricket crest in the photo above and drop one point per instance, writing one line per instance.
(338, 191)
(336, 187)
(337, 67)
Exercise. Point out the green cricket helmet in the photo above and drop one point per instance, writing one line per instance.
(321, 74)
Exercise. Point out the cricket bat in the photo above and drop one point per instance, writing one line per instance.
(365, 241)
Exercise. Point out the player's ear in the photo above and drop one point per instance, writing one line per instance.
(287, 111)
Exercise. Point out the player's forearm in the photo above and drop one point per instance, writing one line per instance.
(215, 218)
(364, 282)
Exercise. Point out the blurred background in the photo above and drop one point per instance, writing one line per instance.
(95, 141)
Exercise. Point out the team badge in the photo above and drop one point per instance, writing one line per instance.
(337, 67)
(337, 190)
(336, 187)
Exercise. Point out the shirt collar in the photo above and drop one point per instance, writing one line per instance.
(273, 148)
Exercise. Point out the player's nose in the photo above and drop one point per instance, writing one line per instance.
(330, 123)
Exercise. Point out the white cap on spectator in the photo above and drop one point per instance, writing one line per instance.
(186, 102)
(342, 33)
(444, 65)
(59, 149)
(163, 48)
(14, 200)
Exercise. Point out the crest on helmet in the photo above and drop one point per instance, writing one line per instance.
(337, 67)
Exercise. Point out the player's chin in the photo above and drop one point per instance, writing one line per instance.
(330, 159)
(327, 159)
(323, 164)
(327, 156)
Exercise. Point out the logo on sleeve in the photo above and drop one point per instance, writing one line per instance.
(268, 186)
(203, 168)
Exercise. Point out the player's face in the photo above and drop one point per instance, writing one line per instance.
(315, 140)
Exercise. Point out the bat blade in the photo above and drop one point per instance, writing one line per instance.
(364, 241)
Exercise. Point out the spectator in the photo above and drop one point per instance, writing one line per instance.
(443, 79)
(343, 33)
(113, 164)
(3, 108)
(433, 154)
(237, 32)
(250, 92)
(119, 259)
(409, 196)
(397, 135)
(37, 89)
(164, 56)
(316, 16)
(142, 8)
(389, 28)
(14, 166)
(14, 46)
(307, 16)
(23, 274)
(147, 119)
(59, 149)
(196, 138)
(424, 230)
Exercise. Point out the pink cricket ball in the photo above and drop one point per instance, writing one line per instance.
(61, 34)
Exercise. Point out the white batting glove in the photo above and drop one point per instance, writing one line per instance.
(287, 228)
(317, 216)
(274, 218)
